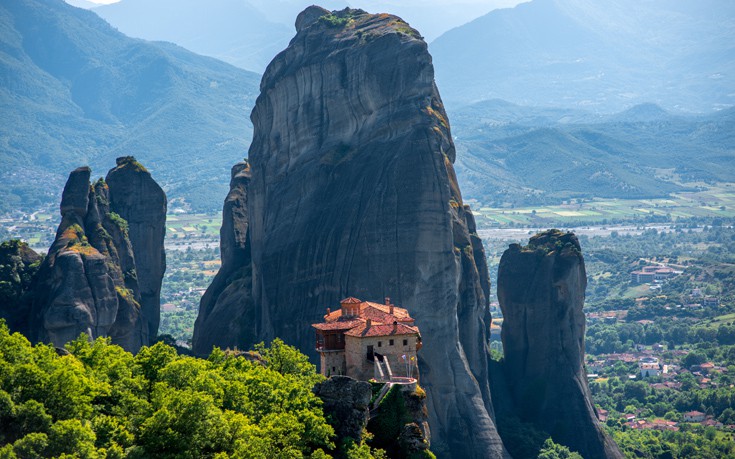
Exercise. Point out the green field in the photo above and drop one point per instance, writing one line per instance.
(178, 225)
(719, 320)
(707, 202)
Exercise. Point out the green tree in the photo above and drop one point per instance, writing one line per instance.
(551, 450)
(72, 436)
(32, 446)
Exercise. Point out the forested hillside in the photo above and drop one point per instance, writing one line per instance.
(75, 91)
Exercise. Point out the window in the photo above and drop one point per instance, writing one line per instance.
(390, 342)
(370, 353)
(334, 369)
(405, 342)
(380, 344)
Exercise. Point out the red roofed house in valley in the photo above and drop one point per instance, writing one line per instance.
(366, 340)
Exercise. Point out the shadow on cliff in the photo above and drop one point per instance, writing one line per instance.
(540, 386)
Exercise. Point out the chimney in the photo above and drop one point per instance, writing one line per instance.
(390, 306)
(329, 311)
(368, 323)
(395, 326)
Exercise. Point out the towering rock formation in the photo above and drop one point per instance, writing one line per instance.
(353, 192)
(225, 312)
(137, 198)
(541, 292)
(89, 280)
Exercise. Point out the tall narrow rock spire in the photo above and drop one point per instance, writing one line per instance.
(353, 192)
(90, 281)
(541, 290)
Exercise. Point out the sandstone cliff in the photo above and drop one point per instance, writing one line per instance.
(225, 312)
(138, 199)
(541, 290)
(89, 279)
(346, 406)
(353, 192)
(399, 423)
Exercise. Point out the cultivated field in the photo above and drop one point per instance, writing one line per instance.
(708, 201)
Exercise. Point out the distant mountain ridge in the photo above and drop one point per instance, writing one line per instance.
(603, 56)
(75, 91)
(525, 155)
(249, 33)
(233, 31)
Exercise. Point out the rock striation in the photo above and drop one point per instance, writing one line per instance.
(89, 281)
(138, 199)
(541, 290)
(346, 405)
(226, 310)
(399, 422)
(352, 192)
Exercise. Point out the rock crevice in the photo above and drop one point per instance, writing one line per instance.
(88, 283)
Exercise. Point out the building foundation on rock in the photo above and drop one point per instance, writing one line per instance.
(367, 340)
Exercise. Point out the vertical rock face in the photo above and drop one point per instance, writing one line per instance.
(346, 405)
(138, 199)
(225, 312)
(89, 280)
(541, 292)
(353, 192)
(399, 422)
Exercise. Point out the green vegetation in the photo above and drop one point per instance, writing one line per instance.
(18, 265)
(667, 319)
(101, 95)
(100, 401)
(120, 222)
(526, 441)
(187, 275)
(518, 157)
(130, 161)
(686, 331)
(709, 202)
(342, 18)
(334, 20)
(699, 444)
(393, 415)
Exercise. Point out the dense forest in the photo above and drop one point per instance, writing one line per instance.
(94, 400)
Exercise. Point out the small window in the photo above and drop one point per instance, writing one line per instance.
(334, 369)
(405, 342)
(380, 344)
(390, 342)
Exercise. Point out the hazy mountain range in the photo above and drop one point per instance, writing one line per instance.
(515, 154)
(249, 33)
(74, 91)
(602, 56)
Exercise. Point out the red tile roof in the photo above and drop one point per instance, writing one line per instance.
(378, 314)
(382, 330)
(338, 325)
(375, 312)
